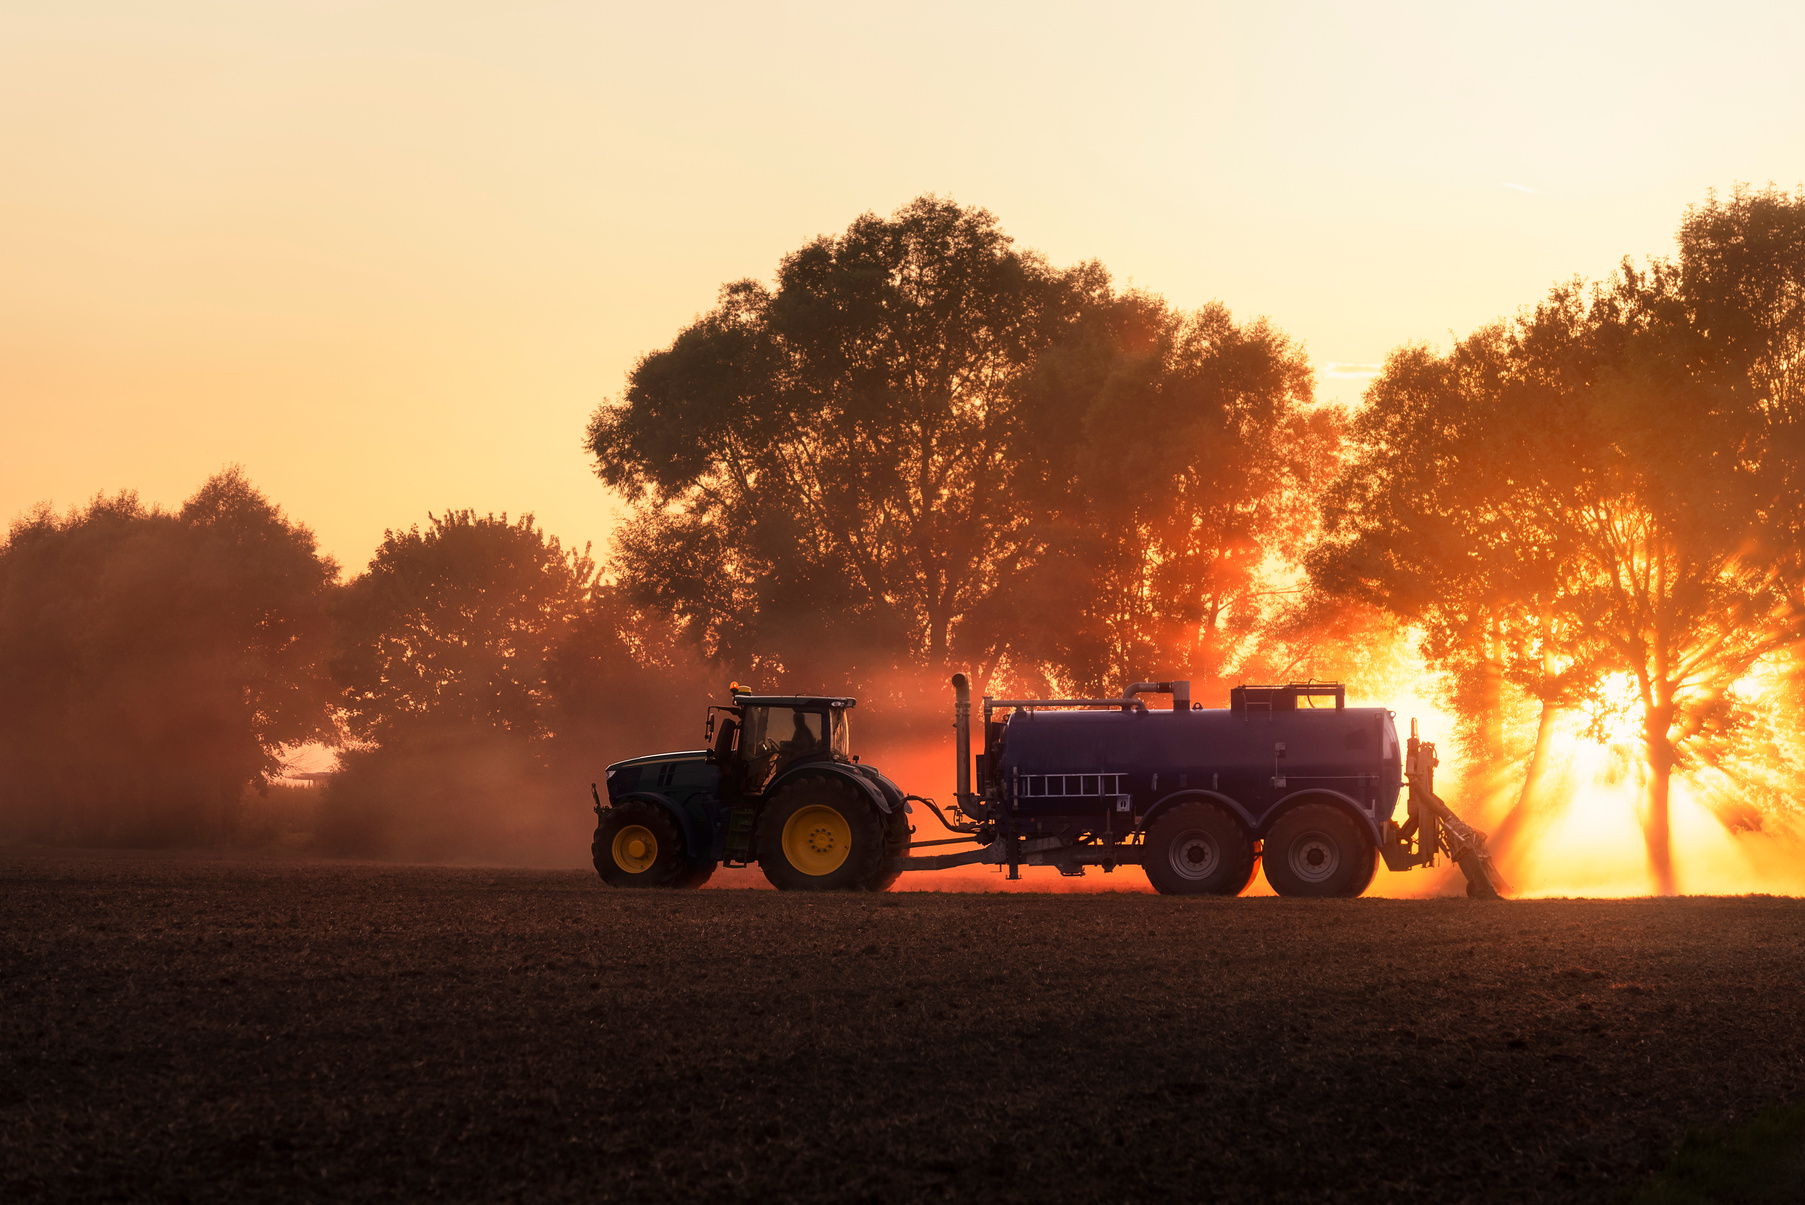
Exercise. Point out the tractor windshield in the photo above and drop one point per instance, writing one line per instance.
(775, 736)
(785, 730)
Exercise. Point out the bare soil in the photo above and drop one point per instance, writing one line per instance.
(182, 1028)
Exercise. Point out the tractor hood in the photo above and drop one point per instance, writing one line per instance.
(661, 772)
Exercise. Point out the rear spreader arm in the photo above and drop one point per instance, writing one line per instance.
(1464, 844)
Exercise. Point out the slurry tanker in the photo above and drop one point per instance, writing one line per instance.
(1287, 778)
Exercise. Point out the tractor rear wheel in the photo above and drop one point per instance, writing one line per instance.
(896, 845)
(638, 845)
(1198, 849)
(1317, 851)
(821, 834)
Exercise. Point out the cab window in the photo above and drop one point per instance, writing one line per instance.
(781, 730)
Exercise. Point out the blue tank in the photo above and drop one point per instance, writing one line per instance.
(1286, 778)
(1118, 768)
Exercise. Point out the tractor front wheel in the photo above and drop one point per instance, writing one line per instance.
(820, 834)
(638, 845)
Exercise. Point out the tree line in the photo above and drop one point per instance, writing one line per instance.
(921, 446)
(156, 667)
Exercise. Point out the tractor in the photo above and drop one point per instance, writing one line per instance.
(778, 785)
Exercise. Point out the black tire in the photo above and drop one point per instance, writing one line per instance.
(1316, 851)
(896, 845)
(1198, 849)
(638, 845)
(820, 834)
(1362, 881)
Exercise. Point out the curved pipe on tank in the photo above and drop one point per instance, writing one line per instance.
(1180, 692)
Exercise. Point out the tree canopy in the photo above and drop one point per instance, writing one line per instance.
(1177, 455)
(454, 627)
(1600, 486)
(153, 665)
(481, 667)
(925, 444)
(826, 469)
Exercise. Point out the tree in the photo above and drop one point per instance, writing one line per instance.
(1433, 520)
(454, 627)
(824, 473)
(485, 675)
(1602, 496)
(1657, 474)
(447, 644)
(925, 444)
(154, 665)
(1177, 454)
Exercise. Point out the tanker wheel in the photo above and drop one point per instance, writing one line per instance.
(639, 845)
(1360, 882)
(821, 834)
(1317, 851)
(1198, 849)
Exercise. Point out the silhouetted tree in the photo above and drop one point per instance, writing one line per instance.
(446, 645)
(925, 443)
(825, 473)
(454, 625)
(1177, 457)
(1433, 520)
(1607, 492)
(154, 665)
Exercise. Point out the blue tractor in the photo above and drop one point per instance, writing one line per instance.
(1286, 778)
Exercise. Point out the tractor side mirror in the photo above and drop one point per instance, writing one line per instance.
(723, 745)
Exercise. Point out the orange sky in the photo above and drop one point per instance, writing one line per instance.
(390, 255)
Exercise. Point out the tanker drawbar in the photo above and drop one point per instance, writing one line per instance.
(1287, 779)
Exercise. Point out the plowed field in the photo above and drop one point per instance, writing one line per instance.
(215, 1030)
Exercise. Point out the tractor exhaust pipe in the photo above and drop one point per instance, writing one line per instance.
(962, 741)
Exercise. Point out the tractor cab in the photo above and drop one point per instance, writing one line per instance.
(758, 737)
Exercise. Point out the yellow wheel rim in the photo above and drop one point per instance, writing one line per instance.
(817, 840)
(635, 848)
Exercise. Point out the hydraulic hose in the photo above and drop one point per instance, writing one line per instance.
(948, 825)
